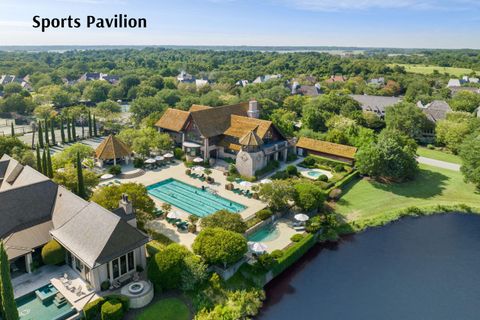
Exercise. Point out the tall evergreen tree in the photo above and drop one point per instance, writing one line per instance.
(62, 131)
(13, 129)
(9, 308)
(95, 133)
(39, 159)
(44, 162)
(52, 131)
(40, 135)
(74, 132)
(47, 141)
(90, 132)
(49, 169)
(69, 132)
(80, 184)
(83, 127)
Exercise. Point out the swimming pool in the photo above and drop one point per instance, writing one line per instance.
(265, 234)
(191, 199)
(30, 307)
(315, 173)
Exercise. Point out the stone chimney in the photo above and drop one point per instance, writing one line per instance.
(253, 111)
(126, 204)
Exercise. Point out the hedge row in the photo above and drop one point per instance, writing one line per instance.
(293, 253)
(342, 183)
(110, 307)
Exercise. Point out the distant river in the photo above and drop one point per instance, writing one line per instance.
(424, 268)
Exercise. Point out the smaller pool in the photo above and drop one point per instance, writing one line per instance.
(315, 173)
(265, 234)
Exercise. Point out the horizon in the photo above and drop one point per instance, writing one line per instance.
(401, 24)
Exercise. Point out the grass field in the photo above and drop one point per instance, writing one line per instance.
(424, 69)
(433, 186)
(166, 309)
(439, 155)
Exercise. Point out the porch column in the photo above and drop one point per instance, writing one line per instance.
(28, 262)
(205, 151)
(183, 140)
(285, 153)
(275, 156)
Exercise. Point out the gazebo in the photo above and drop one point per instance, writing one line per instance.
(112, 149)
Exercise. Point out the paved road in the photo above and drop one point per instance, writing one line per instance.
(439, 164)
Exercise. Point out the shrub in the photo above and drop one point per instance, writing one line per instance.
(226, 220)
(272, 165)
(153, 247)
(164, 270)
(92, 309)
(296, 237)
(276, 254)
(188, 172)
(291, 170)
(265, 261)
(308, 196)
(232, 169)
(112, 310)
(124, 300)
(178, 153)
(138, 163)
(264, 214)
(105, 285)
(291, 157)
(314, 224)
(280, 175)
(338, 167)
(116, 169)
(53, 253)
(293, 253)
(309, 161)
(335, 194)
(430, 146)
(323, 178)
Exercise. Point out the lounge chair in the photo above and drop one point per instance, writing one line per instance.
(299, 228)
(79, 291)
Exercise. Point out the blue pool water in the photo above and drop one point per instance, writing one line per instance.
(314, 174)
(265, 234)
(30, 307)
(191, 199)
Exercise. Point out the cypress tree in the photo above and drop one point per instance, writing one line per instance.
(52, 131)
(13, 129)
(49, 169)
(90, 132)
(44, 163)
(39, 160)
(47, 141)
(9, 308)
(95, 133)
(68, 130)
(80, 184)
(74, 132)
(40, 135)
(62, 131)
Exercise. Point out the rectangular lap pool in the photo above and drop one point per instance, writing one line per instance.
(31, 307)
(191, 199)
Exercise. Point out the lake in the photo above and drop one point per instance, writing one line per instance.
(416, 268)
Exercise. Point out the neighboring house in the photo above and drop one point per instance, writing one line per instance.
(201, 82)
(377, 81)
(268, 77)
(242, 83)
(334, 151)
(435, 110)
(6, 79)
(91, 76)
(185, 77)
(100, 245)
(232, 131)
(377, 104)
(336, 78)
(456, 90)
(454, 83)
(310, 91)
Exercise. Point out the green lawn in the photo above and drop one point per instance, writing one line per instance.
(166, 309)
(424, 69)
(439, 155)
(433, 186)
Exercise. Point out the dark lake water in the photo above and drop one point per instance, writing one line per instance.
(417, 268)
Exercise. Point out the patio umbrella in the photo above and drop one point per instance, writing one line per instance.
(150, 161)
(245, 184)
(301, 217)
(259, 247)
(168, 155)
(106, 176)
(198, 160)
(265, 181)
(198, 168)
(174, 215)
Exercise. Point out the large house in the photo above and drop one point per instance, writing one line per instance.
(232, 131)
(338, 152)
(100, 245)
(6, 79)
(92, 76)
(376, 104)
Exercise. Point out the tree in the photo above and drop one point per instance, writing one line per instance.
(52, 131)
(144, 140)
(107, 108)
(44, 112)
(53, 253)
(80, 184)
(49, 169)
(17, 150)
(277, 194)
(194, 272)
(9, 308)
(143, 106)
(295, 103)
(90, 131)
(69, 154)
(406, 118)
(39, 160)
(465, 101)
(96, 91)
(308, 196)
(392, 157)
(68, 177)
(44, 162)
(226, 220)
(219, 246)
(470, 154)
(62, 131)
(40, 135)
(12, 129)
(166, 267)
(69, 132)
(74, 132)
(95, 134)
(284, 120)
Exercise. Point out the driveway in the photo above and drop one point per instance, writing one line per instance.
(439, 164)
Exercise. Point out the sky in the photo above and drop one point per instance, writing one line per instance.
(356, 23)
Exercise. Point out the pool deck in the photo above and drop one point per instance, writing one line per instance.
(286, 231)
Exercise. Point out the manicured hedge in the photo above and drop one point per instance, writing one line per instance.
(95, 309)
(293, 253)
(92, 309)
(340, 184)
(264, 214)
(112, 310)
(53, 253)
(153, 247)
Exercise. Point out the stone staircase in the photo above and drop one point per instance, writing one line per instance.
(59, 300)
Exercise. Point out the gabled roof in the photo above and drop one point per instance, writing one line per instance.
(251, 139)
(240, 126)
(214, 121)
(112, 148)
(375, 103)
(196, 107)
(436, 110)
(334, 149)
(173, 119)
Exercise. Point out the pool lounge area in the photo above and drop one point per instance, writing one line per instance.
(44, 304)
(191, 199)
